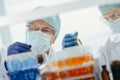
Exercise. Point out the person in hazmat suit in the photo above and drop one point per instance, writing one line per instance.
(110, 52)
(40, 36)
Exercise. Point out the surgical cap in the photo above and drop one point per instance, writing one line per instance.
(108, 7)
(115, 24)
(54, 21)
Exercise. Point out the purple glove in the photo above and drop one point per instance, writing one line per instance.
(17, 48)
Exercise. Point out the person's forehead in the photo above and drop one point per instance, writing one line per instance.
(41, 22)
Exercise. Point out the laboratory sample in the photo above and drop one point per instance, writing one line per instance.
(67, 73)
(105, 73)
(115, 67)
(74, 61)
(91, 78)
(71, 63)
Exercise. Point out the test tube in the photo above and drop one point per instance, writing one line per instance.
(78, 40)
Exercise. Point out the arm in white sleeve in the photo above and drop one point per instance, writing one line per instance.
(3, 56)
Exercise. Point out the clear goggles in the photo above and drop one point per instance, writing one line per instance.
(45, 29)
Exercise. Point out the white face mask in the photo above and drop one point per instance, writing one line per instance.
(40, 41)
(114, 25)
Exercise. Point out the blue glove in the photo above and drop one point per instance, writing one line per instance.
(69, 40)
(18, 47)
(29, 74)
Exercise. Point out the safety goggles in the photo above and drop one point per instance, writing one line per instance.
(112, 15)
(45, 29)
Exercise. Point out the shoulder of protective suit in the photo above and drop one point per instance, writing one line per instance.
(112, 40)
(115, 38)
(3, 57)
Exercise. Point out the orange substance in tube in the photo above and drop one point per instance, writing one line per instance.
(60, 64)
(75, 61)
(70, 62)
(79, 72)
(50, 76)
(68, 73)
(91, 78)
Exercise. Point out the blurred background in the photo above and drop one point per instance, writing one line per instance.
(86, 21)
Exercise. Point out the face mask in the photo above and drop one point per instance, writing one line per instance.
(114, 25)
(40, 41)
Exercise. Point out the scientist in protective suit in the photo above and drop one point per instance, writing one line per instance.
(40, 36)
(110, 51)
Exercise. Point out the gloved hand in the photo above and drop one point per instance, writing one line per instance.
(18, 47)
(69, 40)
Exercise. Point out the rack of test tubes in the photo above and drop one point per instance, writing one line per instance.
(75, 63)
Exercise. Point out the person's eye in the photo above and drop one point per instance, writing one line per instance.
(36, 29)
(46, 31)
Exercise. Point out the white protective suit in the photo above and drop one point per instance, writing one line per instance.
(109, 51)
(3, 57)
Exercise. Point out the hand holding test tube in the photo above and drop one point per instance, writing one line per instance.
(70, 40)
